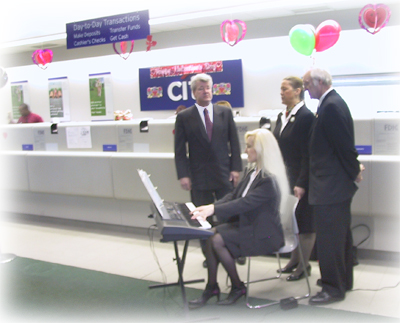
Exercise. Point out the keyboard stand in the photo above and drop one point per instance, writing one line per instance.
(180, 262)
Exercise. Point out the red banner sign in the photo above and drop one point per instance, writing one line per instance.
(186, 69)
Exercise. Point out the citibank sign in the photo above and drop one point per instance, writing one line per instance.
(164, 88)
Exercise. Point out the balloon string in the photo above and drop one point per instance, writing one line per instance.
(313, 58)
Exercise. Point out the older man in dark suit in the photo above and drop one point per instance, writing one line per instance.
(208, 131)
(334, 169)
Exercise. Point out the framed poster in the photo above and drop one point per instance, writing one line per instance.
(19, 95)
(59, 99)
(101, 101)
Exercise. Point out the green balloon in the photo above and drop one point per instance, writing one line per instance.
(302, 39)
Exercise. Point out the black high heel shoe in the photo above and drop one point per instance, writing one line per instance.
(287, 270)
(294, 277)
(209, 292)
(234, 295)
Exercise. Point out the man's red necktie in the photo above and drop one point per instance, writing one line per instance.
(209, 124)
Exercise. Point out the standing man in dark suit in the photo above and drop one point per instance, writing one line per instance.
(208, 132)
(334, 169)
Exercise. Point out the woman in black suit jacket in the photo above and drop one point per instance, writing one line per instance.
(292, 132)
(250, 216)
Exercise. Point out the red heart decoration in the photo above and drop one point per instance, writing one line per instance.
(42, 57)
(231, 33)
(124, 49)
(373, 18)
(47, 56)
(150, 42)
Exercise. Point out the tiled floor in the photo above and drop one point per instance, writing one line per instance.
(133, 254)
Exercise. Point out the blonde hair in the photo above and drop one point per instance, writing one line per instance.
(269, 159)
(223, 103)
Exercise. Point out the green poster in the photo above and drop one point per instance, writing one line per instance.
(56, 100)
(17, 98)
(97, 97)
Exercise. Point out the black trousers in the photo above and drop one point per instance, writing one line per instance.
(334, 247)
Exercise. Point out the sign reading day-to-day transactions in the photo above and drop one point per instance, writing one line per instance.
(105, 30)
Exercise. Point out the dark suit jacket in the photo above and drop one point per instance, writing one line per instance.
(333, 157)
(209, 162)
(258, 213)
(293, 142)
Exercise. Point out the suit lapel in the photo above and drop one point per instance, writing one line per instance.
(322, 105)
(292, 120)
(246, 182)
(217, 121)
(278, 125)
(256, 180)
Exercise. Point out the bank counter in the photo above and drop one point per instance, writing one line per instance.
(87, 172)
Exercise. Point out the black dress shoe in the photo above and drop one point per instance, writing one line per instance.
(323, 298)
(287, 270)
(294, 277)
(241, 260)
(234, 295)
(209, 292)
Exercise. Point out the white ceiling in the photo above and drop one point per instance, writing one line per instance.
(36, 20)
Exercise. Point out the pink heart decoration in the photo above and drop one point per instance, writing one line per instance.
(42, 57)
(230, 31)
(123, 47)
(326, 35)
(373, 18)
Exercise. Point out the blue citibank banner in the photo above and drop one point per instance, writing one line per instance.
(167, 87)
(113, 29)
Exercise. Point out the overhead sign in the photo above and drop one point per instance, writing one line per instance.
(113, 29)
(166, 87)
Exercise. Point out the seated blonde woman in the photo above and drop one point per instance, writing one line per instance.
(249, 215)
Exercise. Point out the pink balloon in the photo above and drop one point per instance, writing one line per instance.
(326, 35)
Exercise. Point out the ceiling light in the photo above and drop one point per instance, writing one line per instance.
(35, 40)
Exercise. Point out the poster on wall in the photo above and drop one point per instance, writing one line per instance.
(59, 99)
(101, 102)
(167, 87)
(387, 138)
(19, 95)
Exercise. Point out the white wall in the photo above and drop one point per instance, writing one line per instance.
(265, 62)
